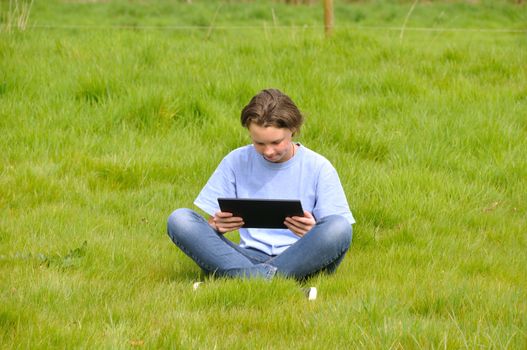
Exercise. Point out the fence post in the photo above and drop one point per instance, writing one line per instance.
(328, 17)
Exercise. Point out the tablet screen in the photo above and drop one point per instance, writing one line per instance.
(262, 213)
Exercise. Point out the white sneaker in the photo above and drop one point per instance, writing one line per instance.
(196, 285)
(311, 293)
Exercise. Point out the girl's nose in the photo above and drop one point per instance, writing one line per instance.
(268, 150)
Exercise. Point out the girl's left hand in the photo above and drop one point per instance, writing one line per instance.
(300, 225)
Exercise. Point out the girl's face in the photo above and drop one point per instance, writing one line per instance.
(273, 143)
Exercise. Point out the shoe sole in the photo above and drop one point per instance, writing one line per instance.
(311, 293)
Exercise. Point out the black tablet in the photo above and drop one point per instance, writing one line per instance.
(262, 213)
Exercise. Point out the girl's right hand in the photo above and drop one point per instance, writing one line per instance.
(225, 222)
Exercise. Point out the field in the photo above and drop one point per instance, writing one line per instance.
(115, 113)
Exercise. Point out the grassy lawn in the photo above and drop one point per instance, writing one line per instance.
(115, 113)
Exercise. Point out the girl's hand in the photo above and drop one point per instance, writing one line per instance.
(225, 222)
(300, 225)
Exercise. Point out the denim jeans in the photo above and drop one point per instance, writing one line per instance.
(321, 249)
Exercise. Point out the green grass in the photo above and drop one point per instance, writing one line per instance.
(105, 131)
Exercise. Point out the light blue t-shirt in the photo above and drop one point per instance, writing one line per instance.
(308, 176)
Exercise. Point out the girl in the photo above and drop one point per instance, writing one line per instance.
(273, 167)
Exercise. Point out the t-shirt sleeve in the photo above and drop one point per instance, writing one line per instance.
(330, 197)
(221, 184)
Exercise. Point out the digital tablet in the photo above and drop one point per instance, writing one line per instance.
(262, 213)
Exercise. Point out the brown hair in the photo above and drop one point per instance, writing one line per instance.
(271, 107)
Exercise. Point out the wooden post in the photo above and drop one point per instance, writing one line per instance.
(328, 17)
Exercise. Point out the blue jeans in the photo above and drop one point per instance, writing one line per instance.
(321, 249)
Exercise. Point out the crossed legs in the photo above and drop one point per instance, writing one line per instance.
(321, 249)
